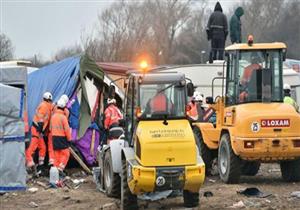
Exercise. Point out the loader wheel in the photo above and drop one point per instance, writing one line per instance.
(128, 200)
(290, 170)
(112, 181)
(250, 168)
(229, 165)
(204, 151)
(190, 199)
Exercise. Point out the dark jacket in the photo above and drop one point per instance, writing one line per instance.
(235, 26)
(217, 27)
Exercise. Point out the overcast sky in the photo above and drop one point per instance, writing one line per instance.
(43, 26)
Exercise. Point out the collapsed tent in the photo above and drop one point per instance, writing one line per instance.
(13, 83)
(84, 82)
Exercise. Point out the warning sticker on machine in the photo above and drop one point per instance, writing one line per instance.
(275, 123)
(162, 133)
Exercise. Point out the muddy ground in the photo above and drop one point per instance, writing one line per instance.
(224, 196)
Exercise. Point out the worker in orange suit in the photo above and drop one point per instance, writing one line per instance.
(65, 98)
(112, 114)
(196, 112)
(39, 128)
(61, 136)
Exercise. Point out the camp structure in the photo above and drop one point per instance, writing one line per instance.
(86, 85)
(13, 83)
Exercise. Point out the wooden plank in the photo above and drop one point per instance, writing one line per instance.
(81, 163)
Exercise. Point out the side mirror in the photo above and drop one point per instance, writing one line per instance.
(111, 91)
(209, 100)
(190, 89)
(284, 54)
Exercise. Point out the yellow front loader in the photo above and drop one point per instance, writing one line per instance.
(252, 124)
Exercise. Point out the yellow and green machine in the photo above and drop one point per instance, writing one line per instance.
(159, 151)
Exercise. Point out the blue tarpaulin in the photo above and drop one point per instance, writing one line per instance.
(58, 78)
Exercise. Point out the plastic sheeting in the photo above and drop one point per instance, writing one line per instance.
(12, 166)
(13, 76)
(11, 102)
(58, 78)
(88, 144)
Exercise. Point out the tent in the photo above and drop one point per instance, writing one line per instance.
(13, 83)
(84, 82)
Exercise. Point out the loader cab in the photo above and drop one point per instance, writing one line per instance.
(254, 73)
(141, 91)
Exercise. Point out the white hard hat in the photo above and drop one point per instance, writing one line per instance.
(65, 98)
(47, 96)
(286, 87)
(197, 96)
(61, 103)
(111, 101)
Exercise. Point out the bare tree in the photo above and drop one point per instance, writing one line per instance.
(67, 52)
(6, 48)
(129, 30)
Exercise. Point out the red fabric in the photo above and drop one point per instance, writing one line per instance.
(26, 122)
(61, 158)
(95, 107)
(37, 141)
(159, 103)
(112, 115)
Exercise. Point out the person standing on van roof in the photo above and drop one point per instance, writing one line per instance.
(236, 26)
(217, 31)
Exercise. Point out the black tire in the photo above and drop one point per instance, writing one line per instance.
(229, 165)
(204, 151)
(112, 181)
(290, 170)
(128, 200)
(250, 168)
(190, 199)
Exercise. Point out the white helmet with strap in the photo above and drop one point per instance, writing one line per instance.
(61, 103)
(47, 96)
(286, 86)
(65, 98)
(111, 101)
(197, 96)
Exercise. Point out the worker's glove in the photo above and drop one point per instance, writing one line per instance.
(40, 127)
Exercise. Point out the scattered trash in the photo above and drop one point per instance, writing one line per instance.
(78, 181)
(253, 192)
(109, 206)
(214, 167)
(42, 184)
(33, 204)
(268, 201)
(208, 194)
(14, 194)
(276, 170)
(33, 189)
(238, 205)
(212, 180)
(296, 194)
(66, 197)
(154, 196)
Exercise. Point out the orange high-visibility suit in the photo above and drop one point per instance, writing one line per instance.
(193, 112)
(61, 137)
(39, 126)
(50, 141)
(112, 116)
